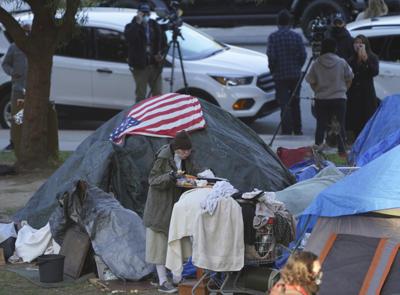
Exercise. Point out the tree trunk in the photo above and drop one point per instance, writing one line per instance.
(34, 151)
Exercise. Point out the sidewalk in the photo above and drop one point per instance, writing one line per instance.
(70, 139)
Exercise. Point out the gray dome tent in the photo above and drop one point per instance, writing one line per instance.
(227, 146)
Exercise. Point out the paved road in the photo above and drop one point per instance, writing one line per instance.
(72, 134)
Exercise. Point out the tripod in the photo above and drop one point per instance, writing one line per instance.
(292, 96)
(174, 43)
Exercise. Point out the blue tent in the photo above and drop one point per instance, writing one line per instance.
(375, 186)
(380, 134)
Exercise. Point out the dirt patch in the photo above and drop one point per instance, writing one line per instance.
(16, 190)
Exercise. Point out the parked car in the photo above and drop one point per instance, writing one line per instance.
(91, 77)
(255, 12)
(384, 35)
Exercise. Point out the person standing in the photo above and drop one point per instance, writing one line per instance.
(286, 56)
(146, 44)
(338, 32)
(330, 77)
(15, 64)
(362, 101)
(375, 8)
(172, 160)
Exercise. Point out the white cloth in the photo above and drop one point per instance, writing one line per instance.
(206, 174)
(32, 243)
(268, 205)
(181, 226)
(221, 189)
(7, 230)
(218, 242)
(178, 162)
(252, 194)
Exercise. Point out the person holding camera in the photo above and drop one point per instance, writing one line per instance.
(362, 101)
(330, 77)
(341, 35)
(172, 160)
(286, 56)
(146, 45)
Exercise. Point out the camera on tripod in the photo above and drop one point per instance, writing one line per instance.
(318, 28)
(171, 16)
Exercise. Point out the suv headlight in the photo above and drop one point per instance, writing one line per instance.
(233, 81)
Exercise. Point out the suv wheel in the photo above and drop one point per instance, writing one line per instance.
(5, 111)
(321, 8)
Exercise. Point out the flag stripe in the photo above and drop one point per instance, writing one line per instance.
(169, 108)
(161, 116)
(158, 101)
(169, 123)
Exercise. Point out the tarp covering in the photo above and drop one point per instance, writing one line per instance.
(299, 196)
(117, 234)
(375, 186)
(228, 146)
(380, 134)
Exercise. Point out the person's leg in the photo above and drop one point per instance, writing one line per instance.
(156, 252)
(16, 130)
(339, 111)
(141, 78)
(322, 121)
(295, 107)
(283, 95)
(155, 80)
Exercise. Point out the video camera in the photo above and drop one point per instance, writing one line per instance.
(318, 28)
(171, 15)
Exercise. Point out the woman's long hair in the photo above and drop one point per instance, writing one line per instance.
(365, 41)
(299, 271)
(376, 8)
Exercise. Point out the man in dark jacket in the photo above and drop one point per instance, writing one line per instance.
(341, 35)
(286, 56)
(172, 160)
(146, 44)
(15, 64)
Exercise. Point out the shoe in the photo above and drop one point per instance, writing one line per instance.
(298, 133)
(180, 282)
(167, 287)
(9, 148)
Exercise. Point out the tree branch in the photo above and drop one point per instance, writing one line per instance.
(68, 19)
(14, 29)
(34, 4)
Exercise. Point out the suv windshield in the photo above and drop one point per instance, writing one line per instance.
(196, 45)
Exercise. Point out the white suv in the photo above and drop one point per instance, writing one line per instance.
(91, 78)
(383, 34)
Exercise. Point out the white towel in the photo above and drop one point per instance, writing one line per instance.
(221, 189)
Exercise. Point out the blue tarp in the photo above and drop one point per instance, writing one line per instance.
(380, 134)
(375, 186)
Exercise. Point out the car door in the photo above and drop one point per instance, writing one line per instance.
(387, 83)
(113, 84)
(71, 73)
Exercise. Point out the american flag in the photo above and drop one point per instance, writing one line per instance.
(161, 116)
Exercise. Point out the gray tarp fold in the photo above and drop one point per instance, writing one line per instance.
(117, 234)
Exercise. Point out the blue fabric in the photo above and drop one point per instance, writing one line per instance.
(189, 270)
(378, 136)
(306, 169)
(374, 186)
(286, 54)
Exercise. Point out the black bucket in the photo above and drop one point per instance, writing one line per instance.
(51, 268)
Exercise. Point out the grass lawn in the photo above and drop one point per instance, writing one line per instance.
(9, 157)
